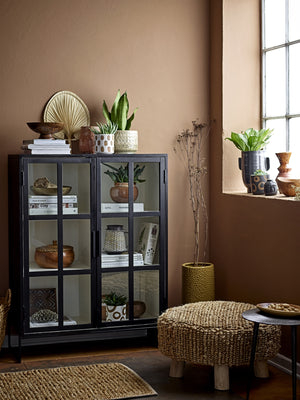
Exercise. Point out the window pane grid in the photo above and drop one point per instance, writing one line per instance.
(280, 73)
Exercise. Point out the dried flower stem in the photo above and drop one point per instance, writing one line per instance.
(190, 147)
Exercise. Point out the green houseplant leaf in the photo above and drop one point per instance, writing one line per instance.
(251, 139)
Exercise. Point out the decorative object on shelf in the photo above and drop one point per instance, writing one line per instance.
(297, 193)
(46, 129)
(4, 310)
(258, 180)
(68, 108)
(270, 188)
(191, 146)
(114, 242)
(199, 282)
(126, 140)
(87, 141)
(47, 256)
(147, 241)
(43, 298)
(287, 186)
(120, 176)
(284, 168)
(115, 307)
(42, 186)
(280, 309)
(44, 315)
(105, 137)
(251, 143)
(139, 308)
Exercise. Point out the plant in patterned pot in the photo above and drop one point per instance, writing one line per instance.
(115, 307)
(126, 140)
(258, 180)
(105, 137)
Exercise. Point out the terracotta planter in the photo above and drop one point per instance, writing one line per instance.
(119, 192)
(198, 282)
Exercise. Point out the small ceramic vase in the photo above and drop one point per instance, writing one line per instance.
(258, 183)
(270, 188)
(115, 313)
(87, 141)
(284, 169)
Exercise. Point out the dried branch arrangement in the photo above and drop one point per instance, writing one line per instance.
(190, 146)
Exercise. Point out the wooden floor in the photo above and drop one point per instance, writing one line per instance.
(149, 363)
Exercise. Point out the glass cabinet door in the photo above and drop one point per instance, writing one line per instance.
(57, 244)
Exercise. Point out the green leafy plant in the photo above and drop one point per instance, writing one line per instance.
(121, 174)
(110, 128)
(259, 172)
(251, 139)
(114, 299)
(119, 112)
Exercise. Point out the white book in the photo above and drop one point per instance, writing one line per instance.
(51, 151)
(52, 211)
(52, 199)
(147, 241)
(48, 146)
(121, 207)
(44, 206)
(44, 141)
(120, 260)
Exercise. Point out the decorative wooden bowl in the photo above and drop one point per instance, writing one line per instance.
(47, 256)
(287, 185)
(45, 129)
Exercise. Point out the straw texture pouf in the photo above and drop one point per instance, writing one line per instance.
(215, 333)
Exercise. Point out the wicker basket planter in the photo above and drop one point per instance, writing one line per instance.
(4, 309)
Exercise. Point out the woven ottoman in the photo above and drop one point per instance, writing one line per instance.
(215, 333)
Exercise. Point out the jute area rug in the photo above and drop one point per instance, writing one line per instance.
(108, 381)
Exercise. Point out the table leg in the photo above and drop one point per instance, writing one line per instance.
(294, 361)
(252, 358)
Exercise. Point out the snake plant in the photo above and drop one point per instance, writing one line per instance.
(119, 112)
(251, 139)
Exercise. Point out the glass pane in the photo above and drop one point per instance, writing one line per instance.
(274, 22)
(77, 176)
(146, 294)
(148, 191)
(77, 299)
(43, 302)
(146, 239)
(295, 146)
(294, 14)
(294, 79)
(76, 234)
(277, 144)
(114, 284)
(275, 83)
(42, 234)
(114, 239)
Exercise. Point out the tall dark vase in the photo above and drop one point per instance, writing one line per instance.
(250, 162)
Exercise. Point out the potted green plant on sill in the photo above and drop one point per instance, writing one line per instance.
(126, 140)
(115, 306)
(104, 135)
(252, 143)
(120, 177)
(258, 180)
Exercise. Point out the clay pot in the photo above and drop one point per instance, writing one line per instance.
(139, 307)
(119, 192)
(87, 141)
(47, 256)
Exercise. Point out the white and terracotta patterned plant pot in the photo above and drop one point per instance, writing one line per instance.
(115, 313)
(105, 143)
(126, 142)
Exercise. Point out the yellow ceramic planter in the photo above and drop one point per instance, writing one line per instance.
(198, 282)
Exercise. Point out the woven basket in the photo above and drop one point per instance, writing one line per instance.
(4, 309)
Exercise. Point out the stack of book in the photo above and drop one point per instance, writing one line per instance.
(46, 146)
(47, 205)
(120, 260)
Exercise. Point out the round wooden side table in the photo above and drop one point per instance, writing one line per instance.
(256, 316)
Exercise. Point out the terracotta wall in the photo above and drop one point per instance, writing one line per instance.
(156, 50)
(254, 240)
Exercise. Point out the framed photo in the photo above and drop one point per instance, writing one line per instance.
(41, 299)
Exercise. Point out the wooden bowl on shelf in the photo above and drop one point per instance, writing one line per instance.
(287, 186)
(46, 129)
(47, 256)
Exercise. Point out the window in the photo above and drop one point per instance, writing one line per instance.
(281, 78)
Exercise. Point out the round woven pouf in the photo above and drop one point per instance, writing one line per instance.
(214, 333)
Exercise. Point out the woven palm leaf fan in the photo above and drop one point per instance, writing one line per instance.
(68, 108)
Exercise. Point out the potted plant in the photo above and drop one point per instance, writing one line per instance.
(104, 135)
(126, 140)
(252, 143)
(120, 177)
(258, 180)
(197, 276)
(115, 306)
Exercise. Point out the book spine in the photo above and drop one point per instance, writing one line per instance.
(51, 199)
(51, 211)
(51, 205)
